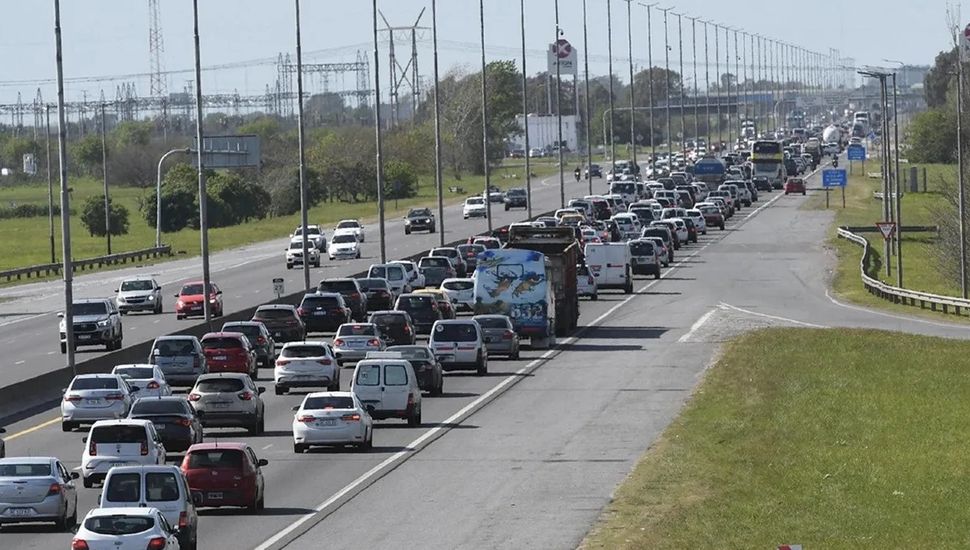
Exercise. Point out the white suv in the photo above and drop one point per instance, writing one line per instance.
(139, 294)
(126, 442)
(96, 322)
(459, 345)
(294, 253)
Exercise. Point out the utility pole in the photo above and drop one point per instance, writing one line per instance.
(693, 31)
(717, 78)
(633, 108)
(886, 196)
(488, 202)
(65, 196)
(586, 119)
(960, 178)
(203, 194)
(378, 137)
(744, 70)
(104, 173)
(707, 91)
(899, 193)
(670, 137)
(653, 141)
(439, 189)
(609, 55)
(50, 184)
(304, 198)
(562, 177)
(683, 96)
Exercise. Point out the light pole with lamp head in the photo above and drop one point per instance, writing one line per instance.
(158, 193)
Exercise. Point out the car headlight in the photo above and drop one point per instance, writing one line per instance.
(103, 323)
(62, 326)
(212, 300)
(179, 303)
(151, 298)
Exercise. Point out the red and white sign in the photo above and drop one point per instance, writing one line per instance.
(562, 55)
(887, 229)
(564, 48)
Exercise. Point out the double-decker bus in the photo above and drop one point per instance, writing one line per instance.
(768, 160)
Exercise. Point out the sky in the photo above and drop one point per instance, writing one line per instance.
(110, 37)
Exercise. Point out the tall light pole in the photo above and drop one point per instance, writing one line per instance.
(683, 93)
(438, 184)
(50, 184)
(104, 173)
(885, 161)
(158, 193)
(650, 74)
(562, 177)
(203, 194)
(707, 90)
(65, 196)
(693, 31)
(717, 78)
(961, 208)
(633, 108)
(609, 56)
(586, 119)
(743, 77)
(899, 194)
(378, 131)
(737, 82)
(304, 198)
(670, 152)
(488, 202)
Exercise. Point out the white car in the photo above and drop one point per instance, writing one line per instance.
(93, 397)
(314, 234)
(139, 294)
(127, 442)
(586, 283)
(461, 292)
(682, 234)
(385, 384)
(332, 418)
(306, 364)
(126, 529)
(414, 274)
(294, 253)
(474, 208)
(344, 246)
(350, 226)
(697, 217)
(147, 379)
(459, 344)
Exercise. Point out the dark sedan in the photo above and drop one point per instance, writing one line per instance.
(423, 309)
(323, 312)
(426, 367)
(516, 198)
(379, 295)
(282, 321)
(174, 419)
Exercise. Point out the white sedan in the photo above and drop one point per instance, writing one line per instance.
(344, 246)
(697, 217)
(349, 226)
(147, 379)
(332, 418)
(125, 529)
(474, 208)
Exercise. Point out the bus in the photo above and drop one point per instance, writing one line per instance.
(768, 160)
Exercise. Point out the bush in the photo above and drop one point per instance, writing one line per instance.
(400, 181)
(27, 211)
(933, 137)
(92, 216)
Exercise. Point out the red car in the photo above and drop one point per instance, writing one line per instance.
(229, 352)
(795, 185)
(189, 300)
(225, 474)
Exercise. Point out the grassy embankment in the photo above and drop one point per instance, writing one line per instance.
(826, 438)
(26, 242)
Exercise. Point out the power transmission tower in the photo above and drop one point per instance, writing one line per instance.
(156, 47)
(408, 72)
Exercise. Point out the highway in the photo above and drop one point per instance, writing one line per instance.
(528, 456)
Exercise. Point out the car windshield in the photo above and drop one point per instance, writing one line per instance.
(458, 285)
(303, 351)
(391, 273)
(471, 250)
(298, 245)
(515, 192)
(348, 224)
(326, 302)
(25, 470)
(216, 458)
(357, 330)
(386, 319)
(135, 372)
(475, 200)
(409, 303)
(343, 286)
(119, 524)
(137, 285)
(160, 406)
(373, 284)
(119, 433)
(309, 231)
(345, 238)
(446, 252)
(455, 332)
(220, 385)
(221, 343)
(274, 313)
(641, 248)
(174, 347)
(191, 290)
(418, 212)
(329, 402)
(492, 322)
(434, 262)
(90, 308)
(95, 383)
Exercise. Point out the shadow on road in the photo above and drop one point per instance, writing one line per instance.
(624, 332)
(602, 348)
(269, 511)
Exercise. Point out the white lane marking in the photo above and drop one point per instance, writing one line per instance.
(268, 446)
(767, 316)
(697, 324)
(892, 316)
(50, 353)
(22, 319)
(21, 362)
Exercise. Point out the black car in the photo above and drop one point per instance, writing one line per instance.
(174, 419)
(470, 253)
(396, 326)
(419, 219)
(426, 367)
(260, 338)
(353, 295)
(668, 183)
(761, 183)
(324, 312)
(593, 171)
(378, 293)
(516, 198)
(423, 309)
(282, 321)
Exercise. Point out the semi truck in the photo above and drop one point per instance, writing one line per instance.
(710, 170)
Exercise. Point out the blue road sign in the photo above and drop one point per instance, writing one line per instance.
(834, 178)
(856, 152)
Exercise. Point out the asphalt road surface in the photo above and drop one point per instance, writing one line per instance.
(527, 456)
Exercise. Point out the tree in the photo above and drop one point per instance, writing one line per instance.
(400, 180)
(92, 216)
(939, 78)
(86, 152)
(932, 137)
(132, 133)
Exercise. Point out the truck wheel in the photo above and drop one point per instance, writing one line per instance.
(407, 230)
(432, 229)
(63, 348)
(628, 288)
(482, 366)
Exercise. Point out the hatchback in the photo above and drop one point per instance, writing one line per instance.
(585, 282)
(146, 379)
(445, 306)
(644, 258)
(162, 487)
(414, 275)
(387, 387)
(461, 293)
(354, 341)
(180, 358)
(661, 247)
(354, 297)
(111, 443)
(423, 309)
(229, 399)
(226, 474)
(93, 397)
(126, 529)
(174, 419)
(674, 232)
(460, 345)
(712, 216)
(333, 418)
(379, 293)
(456, 259)
(395, 326)
(259, 338)
(37, 489)
(500, 336)
(229, 352)
(306, 364)
(189, 300)
(282, 321)
(324, 311)
(795, 185)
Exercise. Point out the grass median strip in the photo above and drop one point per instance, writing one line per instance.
(829, 438)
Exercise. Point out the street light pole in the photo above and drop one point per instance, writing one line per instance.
(304, 198)
(899, 193)
(650, 74)
(707, 91)
(562, 177)
(633, 109)
(65, 197)
(50, 184)
(586, 120)
(960, 178)
(439, 185)
(683, 94)
(488, 202)
(203, 194)
(609, 55)
(670, 152)
(158, 193)
(378, 133)
(717, 79)
(104, 173)
(693, 27)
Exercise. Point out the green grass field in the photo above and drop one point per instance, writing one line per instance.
(26, 241)
(830, 438)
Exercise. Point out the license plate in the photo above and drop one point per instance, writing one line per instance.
(221, 405)
(327, 422)
(160, 426)
(196, 308)
(83, 336)
(319, 313)
(214, 496)
(94, 401)
(20, 512)
(220, 358)
(116, 464)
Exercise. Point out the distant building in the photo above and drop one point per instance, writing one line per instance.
(908, 76)
(544, 132)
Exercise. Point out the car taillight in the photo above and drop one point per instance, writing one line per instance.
(300, 311)
(246, 396)
(144, 448)
(183, 520)
(338, 311)
(508, 335)
(79, 544)
(306, 419)
(260, 341)
(350, 418)
(323, 361)
(282, 362)
(373, 342)
(72, 398)
(338, 342)
(184, 422)
(153, 385)
(54, 489)
(410, 400)
(157, 543)
(196, 362)
(434, 306)
(589, 279)
(114, 397)
(194, 397)
(407, 329)
(92, 448)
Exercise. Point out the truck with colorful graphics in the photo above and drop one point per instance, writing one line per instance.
(532, 281)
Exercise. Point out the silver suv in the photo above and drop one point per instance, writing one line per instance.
(229, 399)
(97, 322)
(459, 344)
(139, 294)
(180, 358)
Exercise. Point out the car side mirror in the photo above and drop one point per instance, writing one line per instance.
(260, 390)
(84, 439)
(116, 291)
(296, 408)
(175, 295)
(219, 293)
(75, 475)
(263, 462)
(3, 430)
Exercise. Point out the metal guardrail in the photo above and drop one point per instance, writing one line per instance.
(900, 295)
(45, 270)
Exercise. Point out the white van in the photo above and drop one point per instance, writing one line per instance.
(387, 387)
(125, 442)
(610, 265)
(161, 486)
(396, 276)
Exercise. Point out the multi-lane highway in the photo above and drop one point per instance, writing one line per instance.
(528, 456)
